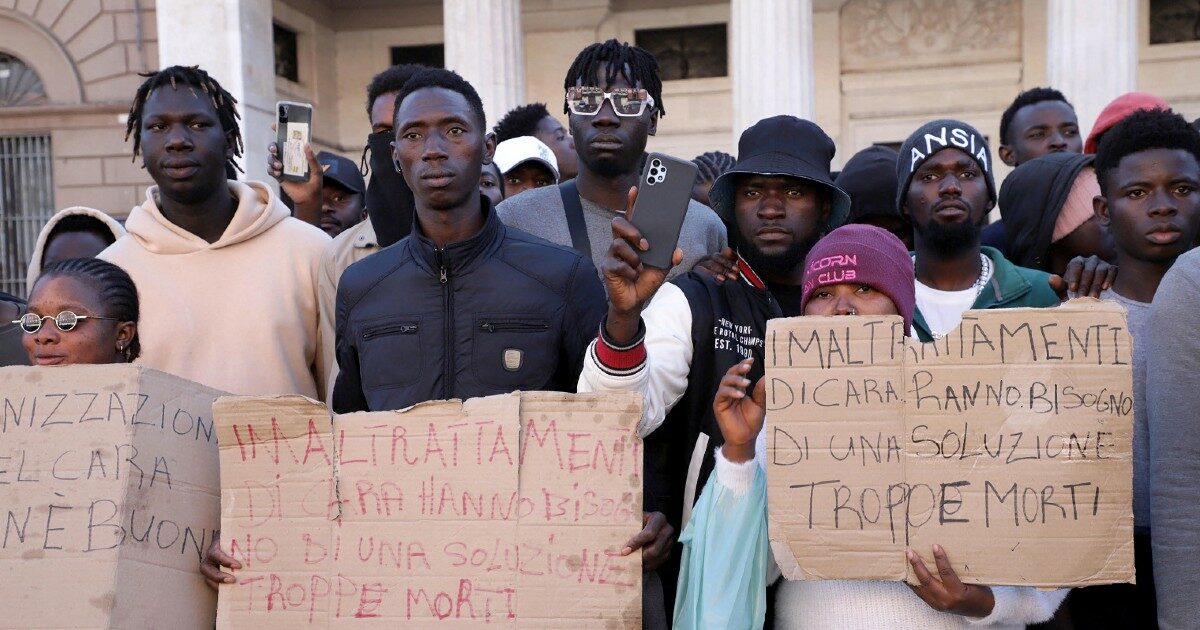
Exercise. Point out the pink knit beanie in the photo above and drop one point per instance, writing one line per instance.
(863, 254)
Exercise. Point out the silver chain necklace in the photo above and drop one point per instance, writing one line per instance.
(985, 275)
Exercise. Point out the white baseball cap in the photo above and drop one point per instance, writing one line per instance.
(516, 151)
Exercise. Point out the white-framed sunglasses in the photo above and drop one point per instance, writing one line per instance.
(628, 102)
(66, 321)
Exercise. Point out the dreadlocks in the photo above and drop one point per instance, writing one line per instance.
(638, 66)
(192, 76)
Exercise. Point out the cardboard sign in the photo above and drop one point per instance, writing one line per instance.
(1008, 442)
(507, 510)
(109, 498)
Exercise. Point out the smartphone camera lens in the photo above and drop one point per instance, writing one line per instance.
(657, 173)
(283, 112)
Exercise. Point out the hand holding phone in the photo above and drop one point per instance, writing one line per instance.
(645, 242)
(293, 127)
(664, 193)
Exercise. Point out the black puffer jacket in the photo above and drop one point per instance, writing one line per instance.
(1031, 199)
(498, 312)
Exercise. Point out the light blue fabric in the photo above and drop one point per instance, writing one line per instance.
(722, 577)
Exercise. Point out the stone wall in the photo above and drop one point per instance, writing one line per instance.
(88, 54)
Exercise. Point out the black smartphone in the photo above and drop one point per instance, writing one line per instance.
(293, 125)
(664, 192)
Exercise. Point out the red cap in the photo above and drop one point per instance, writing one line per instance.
(1119, 110)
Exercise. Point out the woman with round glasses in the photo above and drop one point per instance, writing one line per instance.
(82, 310)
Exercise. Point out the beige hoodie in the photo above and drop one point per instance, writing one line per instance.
(239, 314)
(39, 249)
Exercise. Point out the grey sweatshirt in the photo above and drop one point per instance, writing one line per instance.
(1173, 369)
(540, 212)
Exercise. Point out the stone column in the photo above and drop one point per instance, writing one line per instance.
(1091, 53)
(483, 44)
(772, 65)
(231, 40)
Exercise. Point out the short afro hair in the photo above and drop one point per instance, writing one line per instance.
(448, 80)
(390, 80)
(613, 58)
(1144, 130)
(520, 121)
(1024, 99)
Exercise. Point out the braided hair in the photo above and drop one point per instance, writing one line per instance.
(637, 65)
(115, 288)
(192, 76)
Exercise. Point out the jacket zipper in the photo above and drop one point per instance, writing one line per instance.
(403, 329)
(512, 326)
(447, 385)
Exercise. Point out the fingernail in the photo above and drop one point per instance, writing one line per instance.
(228, 580)
(626, 551)
(937, 549)
(644, 244)
(911, 555)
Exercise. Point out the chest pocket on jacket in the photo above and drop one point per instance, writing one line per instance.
(389, 354)
(514, 352)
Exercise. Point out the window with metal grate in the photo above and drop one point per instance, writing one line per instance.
(26, 203)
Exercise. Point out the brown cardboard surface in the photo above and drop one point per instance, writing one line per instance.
(507, 510)
(1008, 442)
(109, 497)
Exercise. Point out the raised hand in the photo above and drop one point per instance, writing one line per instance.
(740, 416)
(629, 283)
(305, 195)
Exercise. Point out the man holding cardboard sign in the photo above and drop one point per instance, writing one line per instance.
(721, 580)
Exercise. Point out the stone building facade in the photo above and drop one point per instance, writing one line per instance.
(868, 71)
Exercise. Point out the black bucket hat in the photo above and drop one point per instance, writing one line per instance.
(787, 146)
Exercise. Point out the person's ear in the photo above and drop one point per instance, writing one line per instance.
(1100, 207)
(125, 334)
(1006, 155)
(489, 148)
(396, 157)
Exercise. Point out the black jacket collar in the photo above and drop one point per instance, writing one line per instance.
(461, 256)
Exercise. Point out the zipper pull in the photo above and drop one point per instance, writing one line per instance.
(441, 265)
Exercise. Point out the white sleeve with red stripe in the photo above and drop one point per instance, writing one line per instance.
(657, 365)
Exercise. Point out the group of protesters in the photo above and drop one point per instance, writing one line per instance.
(479, 260)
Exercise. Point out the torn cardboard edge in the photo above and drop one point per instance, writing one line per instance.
(294, 417)
(1080, 340)
(118, 474)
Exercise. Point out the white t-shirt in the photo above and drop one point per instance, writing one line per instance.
(943, 310)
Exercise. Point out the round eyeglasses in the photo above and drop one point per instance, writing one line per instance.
(66, 321)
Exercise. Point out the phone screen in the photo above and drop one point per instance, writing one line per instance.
(294, 162)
